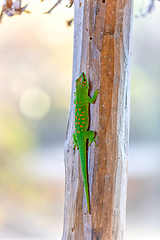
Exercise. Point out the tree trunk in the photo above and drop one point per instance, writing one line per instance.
(102, 33)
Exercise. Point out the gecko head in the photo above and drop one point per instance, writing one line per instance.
(81, 82)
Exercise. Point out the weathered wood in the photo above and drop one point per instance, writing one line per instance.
(102, 32)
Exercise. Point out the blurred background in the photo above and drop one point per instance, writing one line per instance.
(35, 85)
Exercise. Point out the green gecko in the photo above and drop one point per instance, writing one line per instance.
(81, 134)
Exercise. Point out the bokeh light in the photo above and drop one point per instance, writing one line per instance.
(35, 103)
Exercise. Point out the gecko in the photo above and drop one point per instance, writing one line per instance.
(81, 134)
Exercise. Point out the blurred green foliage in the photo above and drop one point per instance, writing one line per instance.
(16, 137)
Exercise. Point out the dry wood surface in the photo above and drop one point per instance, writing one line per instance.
(102, 35)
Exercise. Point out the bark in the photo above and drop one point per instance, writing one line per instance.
(102, 33)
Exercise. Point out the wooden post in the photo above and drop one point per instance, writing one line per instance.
(102, 33)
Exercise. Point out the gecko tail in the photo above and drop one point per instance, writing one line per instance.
(86, 186)
(82, 151)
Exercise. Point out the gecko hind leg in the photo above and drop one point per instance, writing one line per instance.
(75, 141)
(91, 136)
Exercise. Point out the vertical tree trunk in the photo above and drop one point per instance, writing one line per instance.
(102, 32)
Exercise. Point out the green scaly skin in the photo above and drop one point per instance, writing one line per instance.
(81, 134)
